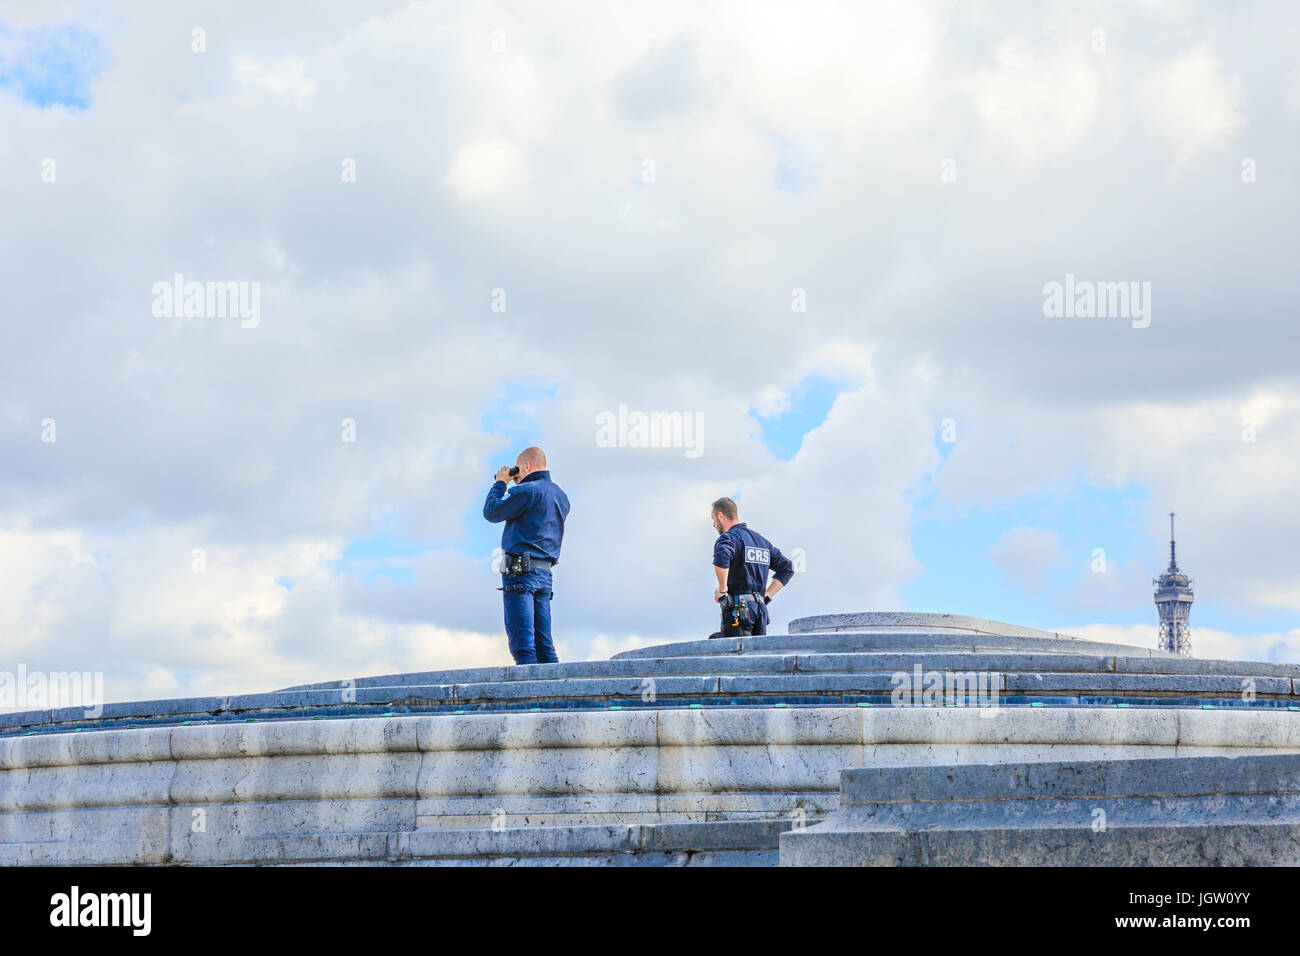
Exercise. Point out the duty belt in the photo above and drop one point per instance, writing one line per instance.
(516, 564)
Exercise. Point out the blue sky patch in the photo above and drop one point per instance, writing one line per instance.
(50, 66)
(386, 555)
(795, 171)
(810, 403)
(511, 416)
(959, 574)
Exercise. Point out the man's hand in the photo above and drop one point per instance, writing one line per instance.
(503, 474)
(718, 595)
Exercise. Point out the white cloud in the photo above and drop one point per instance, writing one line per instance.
(1037, 102)
(490, 170)
(1207, 643)
(163, 628)
(1026, 556)
(1191, 104)
(287, 77)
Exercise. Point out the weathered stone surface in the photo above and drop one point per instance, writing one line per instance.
(638, 844)
(1248, 844)
(882, 640)
(753, 731)
(580, 729)
(916, 620)
(1172, 811)
(826, 668)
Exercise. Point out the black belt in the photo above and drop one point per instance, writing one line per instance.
(534, 561)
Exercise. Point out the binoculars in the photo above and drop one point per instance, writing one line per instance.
(514, 470)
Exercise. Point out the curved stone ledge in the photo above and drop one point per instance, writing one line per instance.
(830, 660)
(656, 728)
(916, 620)
(892, 639)
(832, 678)
(302, 750)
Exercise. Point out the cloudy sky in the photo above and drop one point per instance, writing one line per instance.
(823, 232)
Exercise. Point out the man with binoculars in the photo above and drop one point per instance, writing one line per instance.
(741, 561)
(534, 513)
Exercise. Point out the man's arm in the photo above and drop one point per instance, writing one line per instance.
(721, 589)
(782, 572)
(498, 507)
(723, 549)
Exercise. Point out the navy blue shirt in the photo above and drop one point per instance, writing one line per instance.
(534, 514)
(748, 556)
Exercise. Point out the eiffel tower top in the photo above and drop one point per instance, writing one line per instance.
(1173, 584)
(1173, 563)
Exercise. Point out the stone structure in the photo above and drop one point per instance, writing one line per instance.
(698, 752)
(1189, 811)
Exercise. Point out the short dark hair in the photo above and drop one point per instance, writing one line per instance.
(727, 508)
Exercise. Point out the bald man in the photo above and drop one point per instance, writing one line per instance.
(534, 513)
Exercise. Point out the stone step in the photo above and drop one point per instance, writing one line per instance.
(636, 689)
(978, 689)
(551, 843)
(1217, 844)
(914, 621)
(892, 639)
(1032, 782)
(816, 662)
(729, 843)
(806, 678)
(1167, 811)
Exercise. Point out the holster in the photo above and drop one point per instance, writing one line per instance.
(517, 565)
(737, 616)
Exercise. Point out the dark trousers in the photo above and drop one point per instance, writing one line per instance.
(757, 612)
(527, 600)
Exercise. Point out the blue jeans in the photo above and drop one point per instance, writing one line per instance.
(527, 600)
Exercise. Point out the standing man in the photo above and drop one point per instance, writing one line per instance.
(741, 560)
(534, 514)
